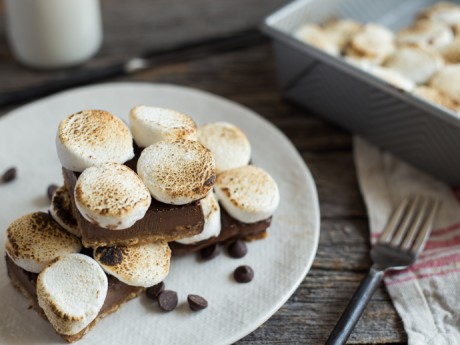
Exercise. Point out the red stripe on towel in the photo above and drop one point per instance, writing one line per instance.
(437, 262)
(446, 230)
(454, 241)
(421, 276)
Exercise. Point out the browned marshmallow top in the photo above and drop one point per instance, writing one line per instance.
(177, 172)
(36, 239)
(92, 137)
(112, 196)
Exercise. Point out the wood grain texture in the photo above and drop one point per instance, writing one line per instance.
(248, 77)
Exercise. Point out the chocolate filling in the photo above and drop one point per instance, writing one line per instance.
(161, 222)
(164, 222)
(117, 294)
(231, 229)
(64, 212)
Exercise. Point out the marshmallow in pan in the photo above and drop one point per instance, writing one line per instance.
(362, 64)
(92, 137)
(212, 225)
(34, 240)
(393, 77)
(249, 194)
(62, 211)
(317, 37)
(426, 34)
(112, 196)
(444, 12)
(177, 172)
(71, 291)
(432, 95)
(451, 52)
(228, 144)
(373, 42)
(447, 82)
(150, 125)
(137, 265)
(342, 30)
(416, 63)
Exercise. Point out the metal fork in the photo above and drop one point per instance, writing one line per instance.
(402, 239)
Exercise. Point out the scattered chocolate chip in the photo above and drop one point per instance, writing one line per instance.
(154, 291)
(196, 302)
(243, 274)
(167, 300)
(50, 191)
(237, 249)
(110, 256)
(9, 175)
(210, 252)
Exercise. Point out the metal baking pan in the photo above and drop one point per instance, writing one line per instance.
(420, 132)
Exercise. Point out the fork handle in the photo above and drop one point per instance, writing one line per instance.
(355, 307)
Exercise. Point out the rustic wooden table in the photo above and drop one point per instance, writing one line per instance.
(248, 77)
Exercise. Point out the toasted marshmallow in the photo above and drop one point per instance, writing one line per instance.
(228, 144)
(432, 95)
(138, 265)
(177, 172)
(373, 42)
(444, 12)
(416, 63)
(71, 291)
(34, 240)
(249, 194)
(92, 137)
(447, 82)
(314, 35)
(363, 64)
(393, 77)
(62, 211)
(451, 52)
(112, 196)
(342, 31)
(150, 125)
(426, 34)
(212, 225)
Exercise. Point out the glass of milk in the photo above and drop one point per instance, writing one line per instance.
(53, 33)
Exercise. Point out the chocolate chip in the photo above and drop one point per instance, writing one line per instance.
(196, 302)
(110, 256)
(210, 252)
(210, 181)
(243, 274)
(50, 191)
(153, 291)
(9, 175)
(167, 300)
(237, 249)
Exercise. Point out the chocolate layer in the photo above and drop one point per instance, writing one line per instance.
(231, 229)
(161, 222)
(117, 294)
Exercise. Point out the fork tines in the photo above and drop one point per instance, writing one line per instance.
(410, 224)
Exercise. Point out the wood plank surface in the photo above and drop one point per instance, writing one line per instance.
(248, 77)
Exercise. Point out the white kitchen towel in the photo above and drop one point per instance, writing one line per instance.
(427, 295)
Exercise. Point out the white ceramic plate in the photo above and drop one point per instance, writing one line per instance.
(280, 262)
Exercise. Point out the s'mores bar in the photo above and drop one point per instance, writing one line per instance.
(123, 198)
(125, 208)
(67, 284)
(244, 197)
